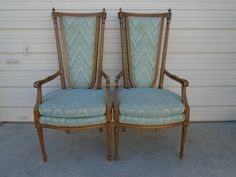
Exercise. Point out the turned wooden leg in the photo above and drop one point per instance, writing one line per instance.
(109, 142)
(183, 140)
(41, 142)
(123, 130)
(116, 138)
(101, 130)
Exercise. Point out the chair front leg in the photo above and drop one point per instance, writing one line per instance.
(185, 126)
(116, 115)
(41, 142)
(183, 141)
(116, 124)
(37, 124)
(109, 128)
(116, 132)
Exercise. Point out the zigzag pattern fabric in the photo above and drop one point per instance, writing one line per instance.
(80, 43)
(144, 37)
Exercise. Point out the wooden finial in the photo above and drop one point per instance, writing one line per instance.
(53, 9)
(120, 9)
(169, 14)
(104, 10)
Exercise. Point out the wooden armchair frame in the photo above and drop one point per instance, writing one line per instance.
(98, 58)
(126, 73)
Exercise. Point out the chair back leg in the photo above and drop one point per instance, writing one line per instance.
(123, 130)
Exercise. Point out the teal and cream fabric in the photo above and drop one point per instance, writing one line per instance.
(144, 37)
(79, 35)
(150, 105)
(73, 103)
(152, 121)
(75, 121)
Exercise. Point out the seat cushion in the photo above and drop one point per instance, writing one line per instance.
(151, 120)
(149, 102)
(73, 103)
(72, 121)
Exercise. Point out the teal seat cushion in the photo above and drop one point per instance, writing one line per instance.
(72, 121)
(151, 120)
(150, 103)
(73, 103)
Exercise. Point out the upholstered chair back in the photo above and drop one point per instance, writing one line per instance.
(81, 36)
(143, 34)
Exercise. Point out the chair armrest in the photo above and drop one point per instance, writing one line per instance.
(107, 78)
(39, 83)
(183, 82)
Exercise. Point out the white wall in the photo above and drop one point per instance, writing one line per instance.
(202, 49)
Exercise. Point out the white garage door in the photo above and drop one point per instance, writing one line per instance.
(202, 49)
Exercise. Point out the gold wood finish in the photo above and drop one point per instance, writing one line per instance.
(61, 69)
(39, 83)
(116, 114)
(124, 64)
(94, 75)
(128, 49)
(99, 84)
(163, 63)
(184, 83)
(101, 16)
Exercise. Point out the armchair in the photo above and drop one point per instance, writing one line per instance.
(79, 104)
(139, 104)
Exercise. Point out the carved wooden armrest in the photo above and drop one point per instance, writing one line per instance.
(39, 83)
(183, 82)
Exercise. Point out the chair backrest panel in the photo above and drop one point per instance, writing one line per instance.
(79, 34)
(141, 40)
(144, 42)
(82, 47)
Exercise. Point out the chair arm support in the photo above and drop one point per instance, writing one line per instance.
(118, 76)
(107, 78)
(183, 82)
(108, 96)
(116, 99)
(39, 83)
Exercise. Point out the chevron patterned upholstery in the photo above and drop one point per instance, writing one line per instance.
(80, 43)
(144, 35)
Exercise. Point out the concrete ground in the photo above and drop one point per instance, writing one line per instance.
(210, 152)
